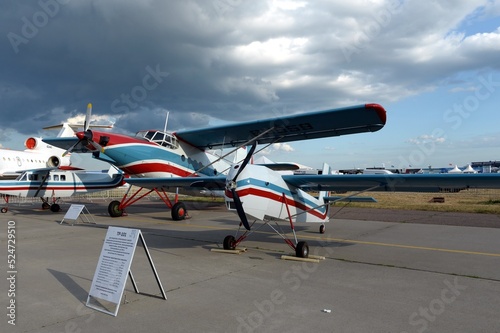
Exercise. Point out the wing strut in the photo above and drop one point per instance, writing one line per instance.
(44, 180)
(253, 140)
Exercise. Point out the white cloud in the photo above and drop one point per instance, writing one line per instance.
(426, 138)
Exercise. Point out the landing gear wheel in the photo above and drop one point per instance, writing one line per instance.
(114, 209)
(322, 229)
(4, 210)
(229, 243)
(45, 205)
(55, 208)
(302, 250)
(179, 211)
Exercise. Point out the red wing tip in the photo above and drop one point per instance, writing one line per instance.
(379, 109)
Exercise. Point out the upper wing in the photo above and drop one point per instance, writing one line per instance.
(213, 183)
(394, 182)
(313, 125)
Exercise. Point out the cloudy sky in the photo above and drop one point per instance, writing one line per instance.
(434, 66)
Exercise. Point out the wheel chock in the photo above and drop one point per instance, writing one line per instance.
(294, 258)
(235, 251)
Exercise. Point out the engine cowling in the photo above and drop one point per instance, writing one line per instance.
(58, 161)
(33, 143)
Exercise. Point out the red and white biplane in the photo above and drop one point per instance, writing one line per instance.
(161, 161)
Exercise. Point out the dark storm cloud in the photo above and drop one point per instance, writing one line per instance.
(232, 60)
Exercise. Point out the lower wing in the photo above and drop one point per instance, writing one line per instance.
(394, 182)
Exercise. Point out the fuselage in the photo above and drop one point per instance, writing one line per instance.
(155, 154)
(37, 155)
(60, 183)
(266, 196)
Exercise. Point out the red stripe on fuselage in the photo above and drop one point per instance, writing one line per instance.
(155, 167)
(278, 198)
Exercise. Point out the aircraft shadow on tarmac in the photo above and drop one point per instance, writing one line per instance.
(172, 238)
(167, 237)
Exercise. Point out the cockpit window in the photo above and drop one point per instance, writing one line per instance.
(160, 138)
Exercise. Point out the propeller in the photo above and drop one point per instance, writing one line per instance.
(86, 138)
(232, 186)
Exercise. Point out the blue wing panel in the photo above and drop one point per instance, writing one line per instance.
(394, 182)
(312, 125)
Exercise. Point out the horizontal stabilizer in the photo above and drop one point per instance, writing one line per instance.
(281, 166)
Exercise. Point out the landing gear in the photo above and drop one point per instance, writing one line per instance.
(178, 211)
(229, 243)
(5, 210)
(114, 209)
(117, 208)
(322, 229)
(302, 250)
(55, 208)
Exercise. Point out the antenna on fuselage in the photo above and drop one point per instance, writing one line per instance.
(166, 122)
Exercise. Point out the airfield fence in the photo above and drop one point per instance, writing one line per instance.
(113, 194)
(471, 200)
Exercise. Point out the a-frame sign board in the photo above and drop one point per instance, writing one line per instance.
(76, 211)
(113, 268)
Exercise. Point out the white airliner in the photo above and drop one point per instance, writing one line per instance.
(38, 154)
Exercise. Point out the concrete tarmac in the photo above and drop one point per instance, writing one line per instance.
(378, 276)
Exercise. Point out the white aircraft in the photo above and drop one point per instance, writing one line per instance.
(162, 161)
(38, 154)
(58, 183)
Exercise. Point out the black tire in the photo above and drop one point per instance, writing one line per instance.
(54, 208)
(45, 205)
(114, 209)
(4, 210)
(302, 250)
(229, 243)
(322, 229)
(179, 211)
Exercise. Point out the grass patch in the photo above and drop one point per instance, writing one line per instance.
(469, 201)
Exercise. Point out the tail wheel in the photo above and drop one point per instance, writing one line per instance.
(114, 209)
(229, 243)
(179, 211)
(55, 208)
(322, 229)
(302, 250)
(4, 210)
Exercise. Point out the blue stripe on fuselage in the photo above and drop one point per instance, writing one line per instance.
(132, 153)
(265, 186)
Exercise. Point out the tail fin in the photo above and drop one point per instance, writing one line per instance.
(326, 171)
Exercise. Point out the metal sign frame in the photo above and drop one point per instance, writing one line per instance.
(113, 268)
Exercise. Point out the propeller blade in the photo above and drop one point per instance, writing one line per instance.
(246, 160)
(236, 197)
(70, 149)
(239, 209)
(86, 124)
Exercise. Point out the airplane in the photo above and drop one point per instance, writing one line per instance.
(39, 155)
(161, 161)
(155, 153)
(57, 183)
